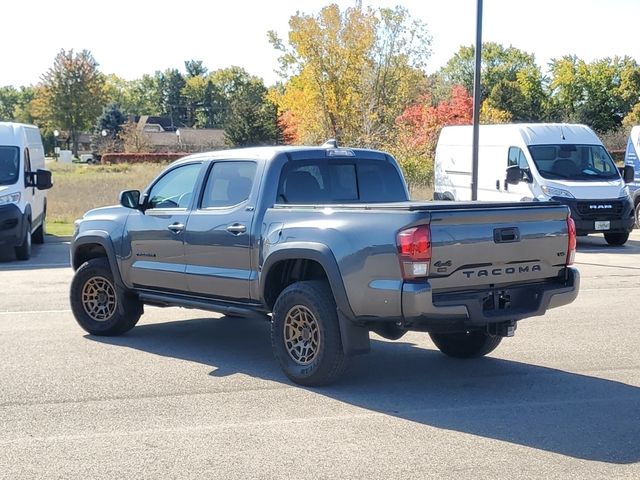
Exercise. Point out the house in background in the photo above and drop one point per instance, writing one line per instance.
(164, 136)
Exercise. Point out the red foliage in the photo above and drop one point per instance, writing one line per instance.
(109, 158)
(420, 124)
(289, 126)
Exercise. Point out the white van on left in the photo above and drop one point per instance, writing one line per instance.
(23, 185)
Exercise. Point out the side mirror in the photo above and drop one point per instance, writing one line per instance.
(130, 199)
(514, 175)
(628, 174)
(43, 179)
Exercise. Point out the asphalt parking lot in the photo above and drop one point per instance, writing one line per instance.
(187, 394)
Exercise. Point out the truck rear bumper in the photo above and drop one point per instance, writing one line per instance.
(422, 308)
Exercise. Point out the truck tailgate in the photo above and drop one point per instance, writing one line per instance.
(485, 245)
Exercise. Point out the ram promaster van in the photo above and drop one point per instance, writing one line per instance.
(632, 159)
(540, 162)
(23, 201)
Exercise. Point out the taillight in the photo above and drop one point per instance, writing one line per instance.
(414, 249)
(571, 248)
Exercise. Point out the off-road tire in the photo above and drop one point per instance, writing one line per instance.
(472, 344)
(23, 251)
(308, 304)
(93, 294)
(616, 239)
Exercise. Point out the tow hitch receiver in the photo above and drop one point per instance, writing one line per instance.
(504, 329)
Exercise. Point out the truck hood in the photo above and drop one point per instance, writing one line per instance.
(111, 212)
(591, 190)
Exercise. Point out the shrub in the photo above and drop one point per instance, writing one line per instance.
(111, 158)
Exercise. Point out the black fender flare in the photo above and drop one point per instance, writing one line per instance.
(98, 237)
(355, 339)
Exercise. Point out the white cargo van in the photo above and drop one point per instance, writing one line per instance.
(23, 179)
(539, 162)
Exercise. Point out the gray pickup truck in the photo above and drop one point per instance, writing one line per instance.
(325, 244)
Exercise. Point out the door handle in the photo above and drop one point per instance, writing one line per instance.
(236, 228)
(176, 227)
(497, 184)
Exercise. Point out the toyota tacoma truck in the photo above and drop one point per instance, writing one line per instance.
(324, 243)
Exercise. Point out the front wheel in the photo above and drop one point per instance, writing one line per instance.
(95, 302)
(637, 210)
(305, 334)
(38, 235)
(476, 343)
(23, 251)
(616, 239)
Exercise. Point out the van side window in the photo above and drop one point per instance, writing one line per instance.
(516, 157)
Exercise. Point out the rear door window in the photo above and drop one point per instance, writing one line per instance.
(349, 181)
(228, 184)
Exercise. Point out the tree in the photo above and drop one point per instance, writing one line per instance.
(133, 139)
(195, 68)
(8, 102)
(349, 74)
(171, 83)
(511, 80)
(252, 118)
(72, 93)
(107, 129)
(600, 93)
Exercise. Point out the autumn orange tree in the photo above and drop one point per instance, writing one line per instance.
(417, 130)
(348, 74)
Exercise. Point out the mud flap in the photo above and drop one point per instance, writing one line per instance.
(355, 339)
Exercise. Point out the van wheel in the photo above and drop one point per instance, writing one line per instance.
(23, 251)
(38, 235)
(472, 344)
(95, 302)
(305, 334)
(616, 239)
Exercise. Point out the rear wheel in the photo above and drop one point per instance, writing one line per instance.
(616, 239)
(95, 302)
(23, 251)
(638, 215)
(305, 334)
(470, 344)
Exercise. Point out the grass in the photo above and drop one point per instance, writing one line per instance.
(421, 192)
(78, 188)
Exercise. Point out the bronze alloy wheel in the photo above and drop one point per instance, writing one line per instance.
(99, 299)
(301, 335)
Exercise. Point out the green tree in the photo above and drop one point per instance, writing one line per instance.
(510, 80)
(252, 118)
(195, 68)
(9, 97)
(600, 93)
(72, 93)
(171, 82)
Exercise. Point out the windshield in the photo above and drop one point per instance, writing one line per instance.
(9, 165)
(574, 162)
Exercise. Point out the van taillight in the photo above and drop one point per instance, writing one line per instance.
(571, 249)
(414, 249)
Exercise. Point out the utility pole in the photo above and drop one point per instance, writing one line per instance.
(476, 103)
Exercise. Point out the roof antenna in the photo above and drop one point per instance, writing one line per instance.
(331, 143)
(562, 133)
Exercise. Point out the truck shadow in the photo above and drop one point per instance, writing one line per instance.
(597, 244)
(561, 412)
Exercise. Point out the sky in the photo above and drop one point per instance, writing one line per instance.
(134, 37)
